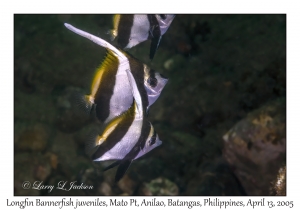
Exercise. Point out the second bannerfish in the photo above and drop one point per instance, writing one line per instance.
(131, 30)
(126, 138)
(110, 90)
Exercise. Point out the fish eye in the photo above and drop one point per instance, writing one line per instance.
(153, 139)
(152, 81)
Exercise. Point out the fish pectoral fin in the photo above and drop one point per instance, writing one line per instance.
(93, 140)
(114, 164)
(124, 165)
(154, 45)
(83, 103)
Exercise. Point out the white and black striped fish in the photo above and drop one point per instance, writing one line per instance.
(134, 29)
(110, 91)
(126, 138)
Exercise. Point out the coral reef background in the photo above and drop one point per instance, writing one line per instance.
(221, 117)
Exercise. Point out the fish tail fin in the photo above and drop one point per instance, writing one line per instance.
(83, 103)
(114, 164)
(124, 165)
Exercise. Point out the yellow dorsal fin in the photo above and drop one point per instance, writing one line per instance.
(110, 127)
(116, 21)
(110, 62)
(94, 140)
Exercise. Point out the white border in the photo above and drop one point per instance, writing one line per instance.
(8, 8)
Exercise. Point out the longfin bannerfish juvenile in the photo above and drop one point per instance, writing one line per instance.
(131, 30)
(126, 138)
(110, 90)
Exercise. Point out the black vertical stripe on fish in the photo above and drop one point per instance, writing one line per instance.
(125, 163)
(154, 34)
(117, 134)
(154, 46)
(141, 142)
(106, 86)
(137, 69)
(124, 29)
(122, 169)
(154, 26)
(163, 16)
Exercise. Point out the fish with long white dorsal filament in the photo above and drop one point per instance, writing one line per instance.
(110, 90)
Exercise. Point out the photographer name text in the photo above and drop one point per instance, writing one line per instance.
(62, 185)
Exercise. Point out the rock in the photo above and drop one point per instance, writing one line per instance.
(53, 159)
(214, 178)
(159, 186)
(109, 176)
(64, 147)
(30, 168)
(71, 116)
(279, 185)
(34, 107)
(19, 128)
(34, 138)
(42, 171)
(68, 160)
(127, 185)
(105, 189)
(256, 147)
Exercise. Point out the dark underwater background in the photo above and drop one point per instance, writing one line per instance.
(221, 116)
